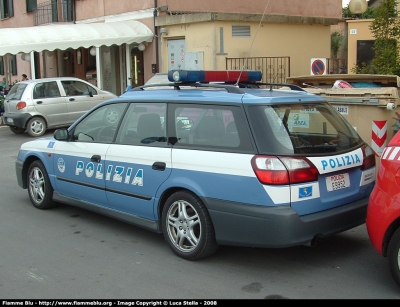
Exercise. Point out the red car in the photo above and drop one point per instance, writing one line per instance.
(383, 215)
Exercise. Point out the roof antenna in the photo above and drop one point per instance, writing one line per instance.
(245, 61)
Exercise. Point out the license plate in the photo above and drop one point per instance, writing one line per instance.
(10, 120)
(338, 182)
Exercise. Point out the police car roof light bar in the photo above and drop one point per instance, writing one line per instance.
(214, 75)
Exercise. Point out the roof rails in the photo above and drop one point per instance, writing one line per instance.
(229, 87)
(177, 86)
(293, 87)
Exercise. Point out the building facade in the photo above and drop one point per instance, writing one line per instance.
(114, 44)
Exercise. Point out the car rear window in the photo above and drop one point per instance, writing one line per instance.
(16, 91)
(290, 129)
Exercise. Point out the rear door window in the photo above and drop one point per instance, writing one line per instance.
(46, 90)
(210, 126)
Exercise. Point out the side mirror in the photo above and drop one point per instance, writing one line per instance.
(61, 134)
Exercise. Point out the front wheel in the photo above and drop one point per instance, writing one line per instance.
(187, 226)
(393, 256)
(36, 126)
(39, 186)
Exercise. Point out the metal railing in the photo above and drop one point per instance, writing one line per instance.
(274, 69)
(336, 66)
(54, 11)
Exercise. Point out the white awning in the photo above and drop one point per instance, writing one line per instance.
(64, 36)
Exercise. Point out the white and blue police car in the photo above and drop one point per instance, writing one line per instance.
(210, 158)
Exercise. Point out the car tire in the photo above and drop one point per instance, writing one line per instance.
(39, 186)
(36, 126)
(187, 226)
(393, 256)
(17, 130)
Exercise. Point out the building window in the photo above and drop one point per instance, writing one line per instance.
(61, 10)
(365, 52)
(31, 5)
(13, 65)
(6, 9)
(54, 11)
(240, 31)
(1, 65)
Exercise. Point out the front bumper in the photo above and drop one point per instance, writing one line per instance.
(18, 171)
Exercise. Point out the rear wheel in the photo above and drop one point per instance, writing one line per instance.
(394, 256)
(36, 126)
(39, 187)
(187, 226)
(17, 130)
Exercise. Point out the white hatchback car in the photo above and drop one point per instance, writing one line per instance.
(37, 105)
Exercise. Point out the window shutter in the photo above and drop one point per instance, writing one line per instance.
(31, 5)
(1, 65)
(10, 8)
(13, 65)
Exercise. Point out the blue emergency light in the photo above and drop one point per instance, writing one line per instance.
(214, 75)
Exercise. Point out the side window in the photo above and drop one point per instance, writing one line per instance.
(38, 91)
(92, 90)
(144, 125)
(46, 90)
(100, 126)
(51, 90)
(77, 88)
(211, 126)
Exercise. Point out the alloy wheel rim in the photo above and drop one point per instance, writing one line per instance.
(36, 185)
(183, 225)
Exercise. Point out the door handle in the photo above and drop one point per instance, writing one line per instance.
(159, 166)
(39, 102)
(95, 158)
(71, 99)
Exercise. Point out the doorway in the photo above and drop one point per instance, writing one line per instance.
(137, 67)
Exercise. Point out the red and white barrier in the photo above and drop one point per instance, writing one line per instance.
(379, 136)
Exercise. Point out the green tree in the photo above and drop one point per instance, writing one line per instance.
(386, 29)
(336, 42)
(368, 14)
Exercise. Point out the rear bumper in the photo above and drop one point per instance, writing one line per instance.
(276, 227)
(18, 120)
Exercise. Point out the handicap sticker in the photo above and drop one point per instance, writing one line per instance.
(305, 192)
(51, 144)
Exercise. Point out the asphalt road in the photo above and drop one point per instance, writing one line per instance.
(70, 253)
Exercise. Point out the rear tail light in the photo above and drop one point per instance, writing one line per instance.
(369, 157)
(283, 170)
(21, 105)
